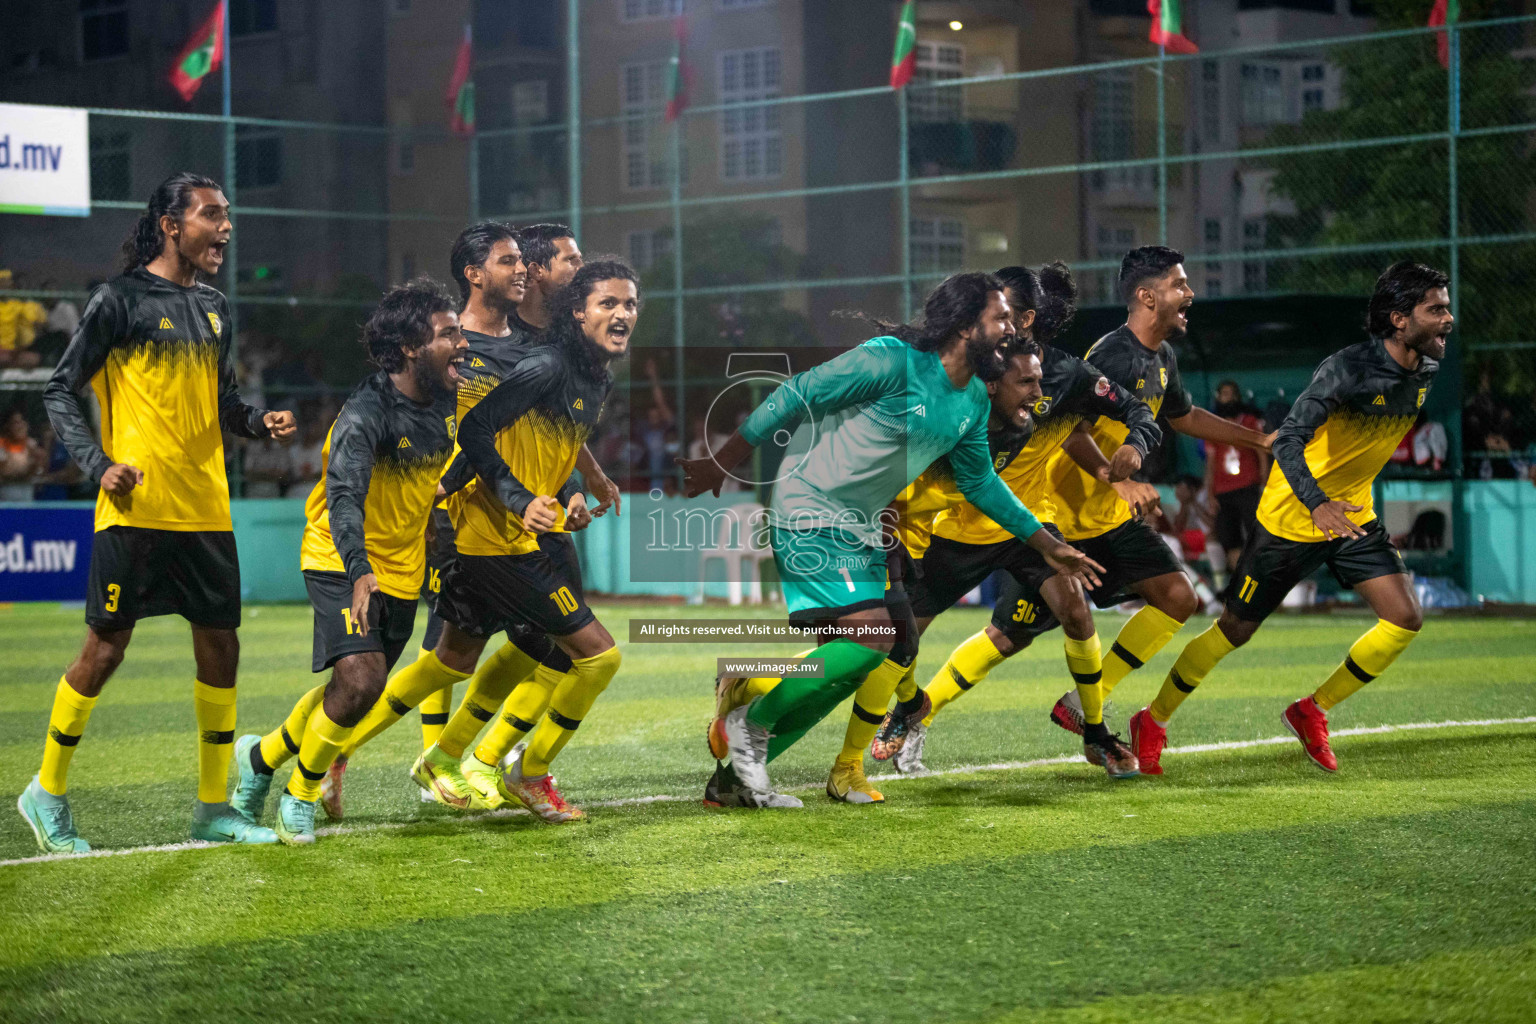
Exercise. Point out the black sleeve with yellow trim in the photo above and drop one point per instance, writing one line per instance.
(106, 320)
(569, 491)
(1176, 400)
(234, 415)
(1323, 395)
(519, 391)
(1096, 395)
(354, 444)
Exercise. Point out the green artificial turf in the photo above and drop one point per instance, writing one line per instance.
(1244, 885)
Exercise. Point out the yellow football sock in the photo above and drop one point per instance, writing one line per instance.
(66, 723)
(434, 710)
(1194, 664)
(519, 714)
(282, 743)
(1147, 633)
(968, 665)
(410, 686)
(1087, 668)
(869, 706)
(1370, 656)
(215, 708)
(571, 701)
(490, 686)
(906, 688)
(323, 740)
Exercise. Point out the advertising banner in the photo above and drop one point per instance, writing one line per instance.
(45, 552)
(45, 160)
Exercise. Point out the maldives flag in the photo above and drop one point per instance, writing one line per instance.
(461, 89)
(679, 74)
(202, 55)
(1168, 26)
(1445, 12)
(904, 57)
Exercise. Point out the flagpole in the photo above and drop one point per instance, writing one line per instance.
(474, 142)
(904, 176)
(1162, 147)
(231, 252)
(680, 417)
(573, 113)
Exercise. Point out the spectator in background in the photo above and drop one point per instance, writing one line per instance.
(659, 418)
(306, 462)
(59, 472)
(20, 458)
(19, 320)
(1424, 445)
(63, 318)
(1234, 480)
(266, 469)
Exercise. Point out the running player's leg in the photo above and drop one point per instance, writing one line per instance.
(217, 653)
(436, 707)
(1374, 569)
(848, 782)
(518, 712)
(1139, 561)
(43, 803)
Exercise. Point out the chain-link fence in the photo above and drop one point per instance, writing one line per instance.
(1290, 174)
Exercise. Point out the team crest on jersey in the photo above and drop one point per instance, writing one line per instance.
(1001, 460)
(1043, 406)
(1103, 388)
(1162, 373)
(165, 324)
(1422, 392)
(1380, 400)
(216, 324)
(453, 427)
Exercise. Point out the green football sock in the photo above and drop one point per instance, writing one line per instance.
(795, 705)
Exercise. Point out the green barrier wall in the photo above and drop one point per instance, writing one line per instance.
(619, 557)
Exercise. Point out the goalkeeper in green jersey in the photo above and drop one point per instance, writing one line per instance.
(877, 416)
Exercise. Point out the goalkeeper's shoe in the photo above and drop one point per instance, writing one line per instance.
(725, 703)
(251, 786)
(485, 780)
(894, 730)
(848, 784)
(221, 823)
(1309, 724)
(437, 773)
(330, 789)
(539, 795)
(295, 820)
(909, 758)
(50, 819)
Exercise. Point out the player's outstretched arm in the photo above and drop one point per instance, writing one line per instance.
(1207, 426)
(105, 320)
(508, 402)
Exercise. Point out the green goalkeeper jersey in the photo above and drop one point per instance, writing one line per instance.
(864, 426)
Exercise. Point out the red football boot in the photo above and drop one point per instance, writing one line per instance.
(1309, 723)
(1147, 742)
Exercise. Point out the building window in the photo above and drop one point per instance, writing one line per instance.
(405, 157)
(247, 17)
(111, 166)
(938, 245)
(1212, 233)
(643, 91)
(1213, 287)
(1312, 73)
(646, 10)
(938, 62)
(1312, 99)
(103, 29)
(258, 157)
(1210, 100)
(530, 102)
(1253, 233)
(647, 248)
(1263, 94)
(751, 142)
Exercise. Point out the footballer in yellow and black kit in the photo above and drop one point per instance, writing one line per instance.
(967, 546)
(156, 354)
(1091, 514)
(383, 458)
(521, 440)
(1339, 434)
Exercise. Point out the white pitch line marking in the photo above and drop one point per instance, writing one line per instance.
(667, 798)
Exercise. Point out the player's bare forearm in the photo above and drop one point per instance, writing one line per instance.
(708, 473)
(1207, 426)
(1083, 450)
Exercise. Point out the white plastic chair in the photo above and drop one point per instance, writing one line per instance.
(736, 543)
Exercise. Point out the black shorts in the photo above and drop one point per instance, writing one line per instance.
(137, 573)
(950, 570)
(1129, 553)
(539, 591)
(391, 620)
(1271, 566)
(1237, 514)
(440, 554)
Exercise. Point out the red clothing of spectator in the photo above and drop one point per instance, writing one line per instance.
(1234, 468)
